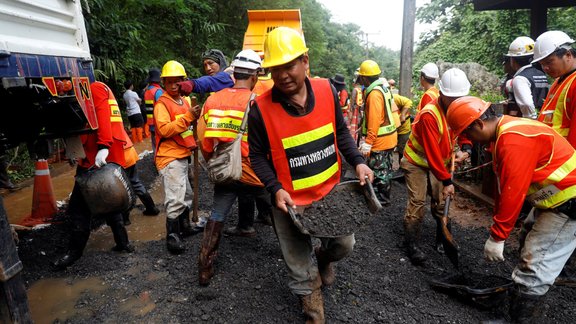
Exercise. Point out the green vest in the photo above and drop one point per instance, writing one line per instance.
(383, 130)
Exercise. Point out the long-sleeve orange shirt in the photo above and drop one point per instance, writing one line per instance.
(168, 149)
(375, 117)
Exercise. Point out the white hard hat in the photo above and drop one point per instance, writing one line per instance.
(521, 46)
(454, 83)
(247, 61)
(430, 70)
(549, 42)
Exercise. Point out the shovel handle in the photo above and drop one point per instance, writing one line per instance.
(295, 216)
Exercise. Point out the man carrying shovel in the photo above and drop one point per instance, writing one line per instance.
(425, 163)
(535, 163)
(296, 132)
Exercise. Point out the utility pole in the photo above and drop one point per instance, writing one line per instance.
(366, 43)
(406, 51)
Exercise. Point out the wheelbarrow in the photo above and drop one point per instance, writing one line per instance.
(346, 208)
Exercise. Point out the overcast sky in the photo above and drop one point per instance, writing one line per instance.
(380, 19)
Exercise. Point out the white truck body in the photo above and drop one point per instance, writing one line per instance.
(43, 27)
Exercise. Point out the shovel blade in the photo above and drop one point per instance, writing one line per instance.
(372, 201)
(295, 216)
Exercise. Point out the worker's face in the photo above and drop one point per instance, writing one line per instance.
(171, 85)
(477, 132)
(211, 67)
(556, 66)
(289, 78)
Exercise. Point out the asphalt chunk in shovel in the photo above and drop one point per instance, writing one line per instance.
(450, 246)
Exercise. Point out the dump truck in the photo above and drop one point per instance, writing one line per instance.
(261, 22)
(45, 75)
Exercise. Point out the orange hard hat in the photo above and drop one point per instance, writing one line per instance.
(463, 111)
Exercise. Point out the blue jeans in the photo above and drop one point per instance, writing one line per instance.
(224, 197)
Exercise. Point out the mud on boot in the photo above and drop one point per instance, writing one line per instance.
(242, 232)
(411, 238)
(151, 209)
(121, 238)
(209, 251)
(174, 242)
(186, 228)
(524, 308)
(313, 307)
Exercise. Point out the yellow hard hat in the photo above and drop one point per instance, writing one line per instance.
(369, 68)
(173, 69)
(282, 45)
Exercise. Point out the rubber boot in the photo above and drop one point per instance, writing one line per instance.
(78, 240)
(524, 308)
(121, 238)
(383, 194)
(174, 242)
(209, 251)
(325, 266)
(185, 226)
(411, 238)
(126, 218)
(313, 307)
(151, 209)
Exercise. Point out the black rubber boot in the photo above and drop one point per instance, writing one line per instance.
(525, 308)
(126, 218)
(121, 238)
(174, 242)
(78, 240)
(151, 209)
(185, 226)
(411, 237)
(383, 194)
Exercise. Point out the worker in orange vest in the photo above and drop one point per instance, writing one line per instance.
(532, 162)
(152, 93)
(425, 162)
(230, 105)
(173, 116)
(103, 146)
(428, 76)
(300, 117)
(555, 54)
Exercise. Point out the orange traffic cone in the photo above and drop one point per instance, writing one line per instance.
(43, 201)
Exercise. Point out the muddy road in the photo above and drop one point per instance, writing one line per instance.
(376, 284)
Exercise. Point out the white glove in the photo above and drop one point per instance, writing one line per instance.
(494, 250)
(365, 148)
(101, 157)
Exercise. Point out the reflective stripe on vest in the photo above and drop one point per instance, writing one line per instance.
(176, 112)
(322, 139)
(558, 119)
(115, 115)
(383, 130)
(305, 156)
(433, 93)
(414, 149)
(224, 123)
(544, 194)
(149, 96)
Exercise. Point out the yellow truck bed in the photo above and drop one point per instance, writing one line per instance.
(261, 22)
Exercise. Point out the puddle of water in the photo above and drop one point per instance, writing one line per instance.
(138, 306)
(56, 299)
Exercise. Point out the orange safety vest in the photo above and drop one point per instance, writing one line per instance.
(553, 112)
(415, 152)
(149, 96)
(224, 116)
(552, 183)
(433, 93)
(186, 138)
(263, 85)
(303, 148)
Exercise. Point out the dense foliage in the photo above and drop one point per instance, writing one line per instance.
(128, 37)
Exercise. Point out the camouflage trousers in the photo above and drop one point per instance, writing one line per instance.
(381, 163)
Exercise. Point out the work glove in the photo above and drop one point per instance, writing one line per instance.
(101, 157)
(186, 87)
(494, 250)
(365, 149)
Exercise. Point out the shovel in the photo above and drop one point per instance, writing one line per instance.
(450, 246)
(296, 219)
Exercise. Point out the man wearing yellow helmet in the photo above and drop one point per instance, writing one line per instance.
(174, 143)
(296, 132)
(379, 126)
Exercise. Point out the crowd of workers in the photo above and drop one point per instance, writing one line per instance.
(290, 115)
